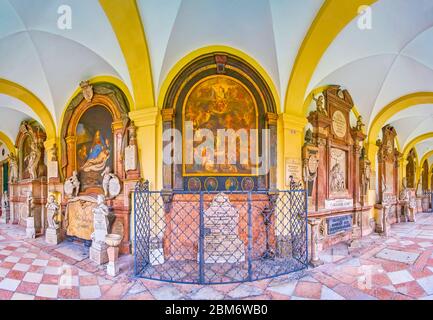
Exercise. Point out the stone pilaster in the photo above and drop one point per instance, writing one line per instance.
(146, 121)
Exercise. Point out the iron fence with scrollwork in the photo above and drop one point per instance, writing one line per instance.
(206, 237)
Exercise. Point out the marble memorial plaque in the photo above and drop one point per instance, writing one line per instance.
(222, 243)
(52, 168)
(339, 224)
(338, 203)
(130, 158)
(293, 168)
(398, 256)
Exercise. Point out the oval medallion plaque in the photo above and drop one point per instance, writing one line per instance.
(194, 184)
(339, 124)
(211, 184)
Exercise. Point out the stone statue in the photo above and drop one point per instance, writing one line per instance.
(320, 104)
(52, 212)
(30, 204)
(13, 165)
(308, 137)
(87, 90)
(101, 222)
(359, 124)
(110, 183)
(408, 201)
(5, 200)
(33, 159)
(72, 185)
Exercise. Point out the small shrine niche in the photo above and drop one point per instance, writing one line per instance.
(411, 168)
(332, 167)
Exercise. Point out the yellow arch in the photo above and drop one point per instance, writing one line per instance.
(8, 142)
(425, 157)
(398, 105)
(110, 79)
(17, 91)
(126, 21)
(415, 141)
(211, 49)
(333, 16)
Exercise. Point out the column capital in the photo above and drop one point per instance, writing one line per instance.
(145, 117)
(290, 121)
(50, 143)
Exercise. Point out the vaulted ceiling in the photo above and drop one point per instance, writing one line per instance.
(377, 66)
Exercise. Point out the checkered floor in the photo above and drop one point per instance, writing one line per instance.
(397, 267)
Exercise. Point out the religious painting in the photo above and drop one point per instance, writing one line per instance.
(338, 171)
(94, 146)
(220, 102)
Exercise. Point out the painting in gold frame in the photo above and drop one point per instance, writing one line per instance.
(220, 102)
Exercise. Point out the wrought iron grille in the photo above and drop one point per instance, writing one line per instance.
(210, 237)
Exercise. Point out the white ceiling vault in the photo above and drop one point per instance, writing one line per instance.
(380, 65)
(377, 66)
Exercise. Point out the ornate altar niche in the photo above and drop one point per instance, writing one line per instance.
(218, 91)
(31, 178)
(331, 158)
(97, 137)
(387, 210)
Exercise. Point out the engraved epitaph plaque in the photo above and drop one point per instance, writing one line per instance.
(130, 158)
(339, 124)
(339, 224)
(222, 243)
(293, 168)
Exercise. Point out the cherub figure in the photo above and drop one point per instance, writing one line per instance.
(52, 212)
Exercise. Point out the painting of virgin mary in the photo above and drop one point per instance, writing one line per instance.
(94, 146)
(98, 155)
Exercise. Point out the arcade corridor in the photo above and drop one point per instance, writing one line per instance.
(401, 267)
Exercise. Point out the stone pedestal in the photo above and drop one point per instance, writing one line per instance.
(113, 265)
(30, 228)
(156, 255)
(98, 253)
(382, 223)
(52, 236)
(314, 261)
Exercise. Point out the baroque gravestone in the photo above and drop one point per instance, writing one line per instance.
(222, 243)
